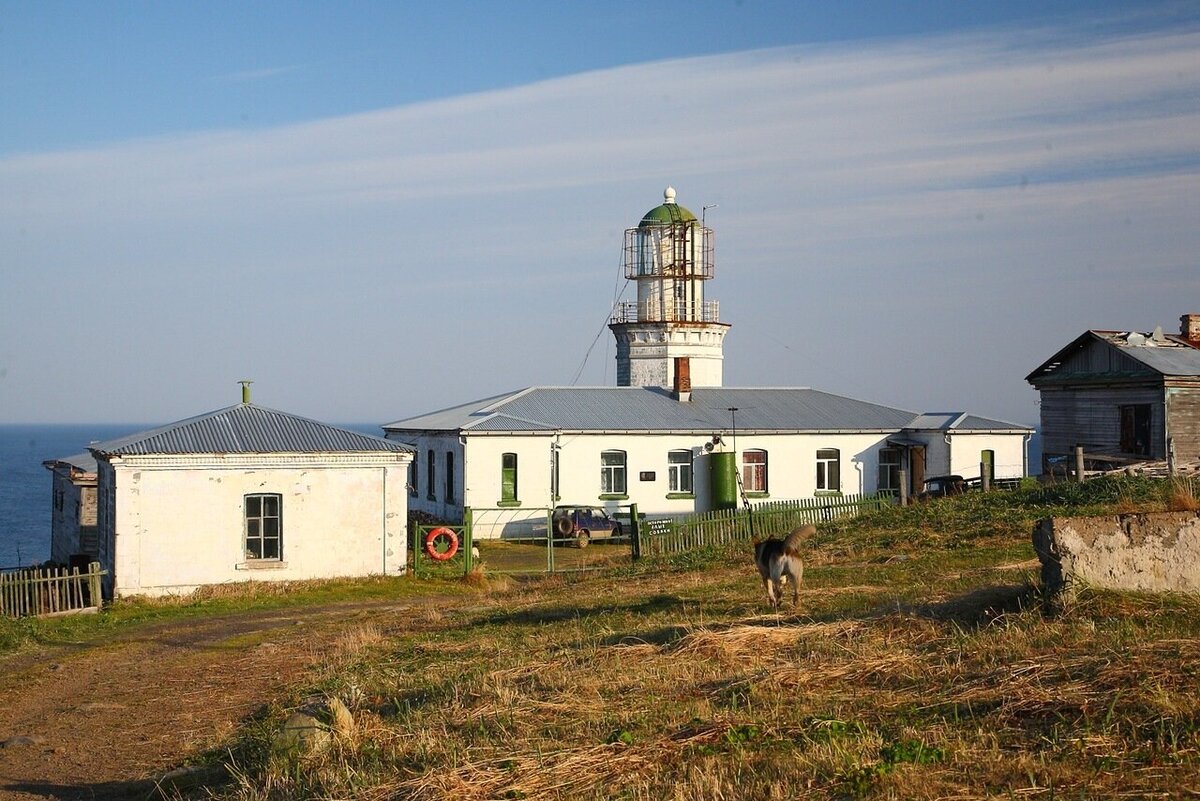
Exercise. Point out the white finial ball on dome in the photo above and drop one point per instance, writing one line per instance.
(669, 195)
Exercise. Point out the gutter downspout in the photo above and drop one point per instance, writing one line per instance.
(384, 538)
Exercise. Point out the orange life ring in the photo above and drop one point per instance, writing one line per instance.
(431, 544)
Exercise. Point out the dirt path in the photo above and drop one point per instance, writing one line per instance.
(100, 720)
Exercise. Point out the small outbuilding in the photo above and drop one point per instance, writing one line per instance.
(1123, 396)
(248, 493)
(73, 510)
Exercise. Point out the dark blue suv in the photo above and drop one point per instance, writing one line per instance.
(581, 524)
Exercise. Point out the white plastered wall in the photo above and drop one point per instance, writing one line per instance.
(791, 471)
(179, 521)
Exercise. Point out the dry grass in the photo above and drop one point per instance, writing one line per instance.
(1183, 496)
(936, 676)
(680, 687)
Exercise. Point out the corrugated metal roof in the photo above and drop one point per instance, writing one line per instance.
(80, 461)
(654, 409)
(1178, 360)
(246, 428)
(960, 421)
(1169, 356)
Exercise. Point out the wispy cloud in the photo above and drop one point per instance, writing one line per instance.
(899, 206)
(245, 76)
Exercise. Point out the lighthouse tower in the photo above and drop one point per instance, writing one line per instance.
(670, 256)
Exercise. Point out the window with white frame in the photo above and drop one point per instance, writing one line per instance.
(754, 471)
(612, 473)
(264, 532)
(679, 471)
(412, 476)
(449, 495)
(829, 478)
(889, 470)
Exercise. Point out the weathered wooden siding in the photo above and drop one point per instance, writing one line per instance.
(1100, 357)
(1092, 418)
(1183, 420)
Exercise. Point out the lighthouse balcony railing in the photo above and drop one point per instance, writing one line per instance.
(708, 311)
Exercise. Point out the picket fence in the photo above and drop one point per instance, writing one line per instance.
(43, 591)
(671, 535)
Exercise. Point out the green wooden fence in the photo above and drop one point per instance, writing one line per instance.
(681, 534)
(50, 591)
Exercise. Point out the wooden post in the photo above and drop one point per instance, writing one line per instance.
(903, 487)
(635, 534)
(1079, 463)
(1171, 456)
(94, 584)
(985, 477)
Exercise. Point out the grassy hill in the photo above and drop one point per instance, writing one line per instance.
(918, 664)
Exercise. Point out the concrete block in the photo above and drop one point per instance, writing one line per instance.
(1151, 552)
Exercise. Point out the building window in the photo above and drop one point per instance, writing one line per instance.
(508, 477)
(263, 529)
(612, 473)
(829, 478)
(679, 471)
(754, 471)
(430, 477)
(449, 496)
(412, 477)
(1135, 429)
(889, 471)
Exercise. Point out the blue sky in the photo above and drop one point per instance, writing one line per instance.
(376, 210)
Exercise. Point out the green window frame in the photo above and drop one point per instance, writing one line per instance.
(508, 478)
(754, 471)
(679, 471)
(612, 472)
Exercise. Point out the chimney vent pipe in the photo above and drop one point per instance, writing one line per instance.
(683, 379)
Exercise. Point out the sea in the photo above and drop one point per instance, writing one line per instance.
(26, 487)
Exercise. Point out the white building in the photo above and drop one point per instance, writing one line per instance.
(511, 457)
(670, 438)
(248, 493)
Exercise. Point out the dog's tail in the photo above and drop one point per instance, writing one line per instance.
(791, 546)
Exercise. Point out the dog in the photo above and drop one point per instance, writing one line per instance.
(779, 561)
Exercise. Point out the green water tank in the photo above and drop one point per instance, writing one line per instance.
(722, 476)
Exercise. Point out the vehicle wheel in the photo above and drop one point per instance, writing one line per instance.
(583, 539)
(617, 531)
(562, 526)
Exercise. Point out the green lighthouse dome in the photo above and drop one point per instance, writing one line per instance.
(669, 212)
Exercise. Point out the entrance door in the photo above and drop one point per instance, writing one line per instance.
(916, 468)
(987, 460)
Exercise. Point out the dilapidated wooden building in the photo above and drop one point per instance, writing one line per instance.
(1123, 395)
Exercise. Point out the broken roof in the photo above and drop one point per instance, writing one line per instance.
(1165, 355)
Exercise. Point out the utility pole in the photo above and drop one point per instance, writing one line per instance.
(737, 471)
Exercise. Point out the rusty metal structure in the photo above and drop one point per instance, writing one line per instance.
(670, 256)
